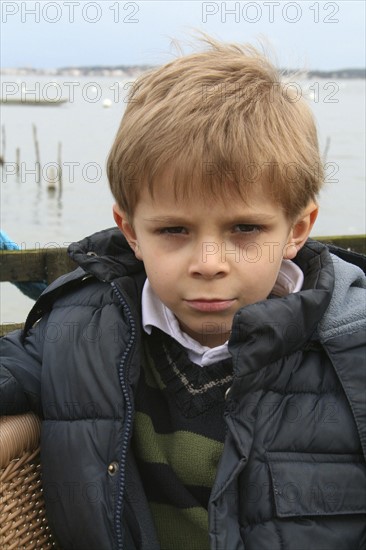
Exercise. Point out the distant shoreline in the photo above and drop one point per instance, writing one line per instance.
(135, 70)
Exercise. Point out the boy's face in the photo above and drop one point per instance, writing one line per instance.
(205, 259)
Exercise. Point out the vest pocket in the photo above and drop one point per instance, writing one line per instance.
(314, 484)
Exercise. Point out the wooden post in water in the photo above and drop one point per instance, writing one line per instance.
(38, 160)
(3, 144)
(51, 187)
(59, 161)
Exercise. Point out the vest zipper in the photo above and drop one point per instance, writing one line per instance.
(123, 376)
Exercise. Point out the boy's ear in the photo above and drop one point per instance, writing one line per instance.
(301, 230)
(127, 229)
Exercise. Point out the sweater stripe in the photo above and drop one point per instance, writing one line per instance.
(181, 529)
(178, 449)
(172, 491)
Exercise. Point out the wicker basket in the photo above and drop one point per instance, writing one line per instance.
(23, 522)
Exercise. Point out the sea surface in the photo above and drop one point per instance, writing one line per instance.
(79, 133)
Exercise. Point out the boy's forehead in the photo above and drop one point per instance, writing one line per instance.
(164, 191)
(164, 199)
(183, 186)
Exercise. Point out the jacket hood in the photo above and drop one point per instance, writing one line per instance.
(106, 255)
(346, 311)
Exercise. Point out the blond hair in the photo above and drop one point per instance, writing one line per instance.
(221, 121)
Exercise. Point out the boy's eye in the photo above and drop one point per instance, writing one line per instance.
(246, 228)
(172, 230)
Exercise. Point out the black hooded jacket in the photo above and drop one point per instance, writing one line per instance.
(292, 475)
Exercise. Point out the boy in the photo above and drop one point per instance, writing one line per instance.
(200, 378)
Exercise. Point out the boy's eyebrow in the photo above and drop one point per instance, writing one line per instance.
(162, 218)
(165, 219)
(250, 217)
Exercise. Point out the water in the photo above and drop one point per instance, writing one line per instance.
(35, 217)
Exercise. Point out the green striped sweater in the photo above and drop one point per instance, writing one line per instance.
(178, 438)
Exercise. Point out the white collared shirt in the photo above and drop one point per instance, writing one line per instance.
(155, 314)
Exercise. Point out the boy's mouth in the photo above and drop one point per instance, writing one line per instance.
(210, 305)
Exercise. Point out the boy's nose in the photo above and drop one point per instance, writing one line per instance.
(207, 261)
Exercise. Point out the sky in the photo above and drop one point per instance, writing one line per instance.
(307, 35)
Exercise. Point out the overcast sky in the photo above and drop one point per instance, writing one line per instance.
(312, 35)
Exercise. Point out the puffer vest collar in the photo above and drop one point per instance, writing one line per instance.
(268, 330)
